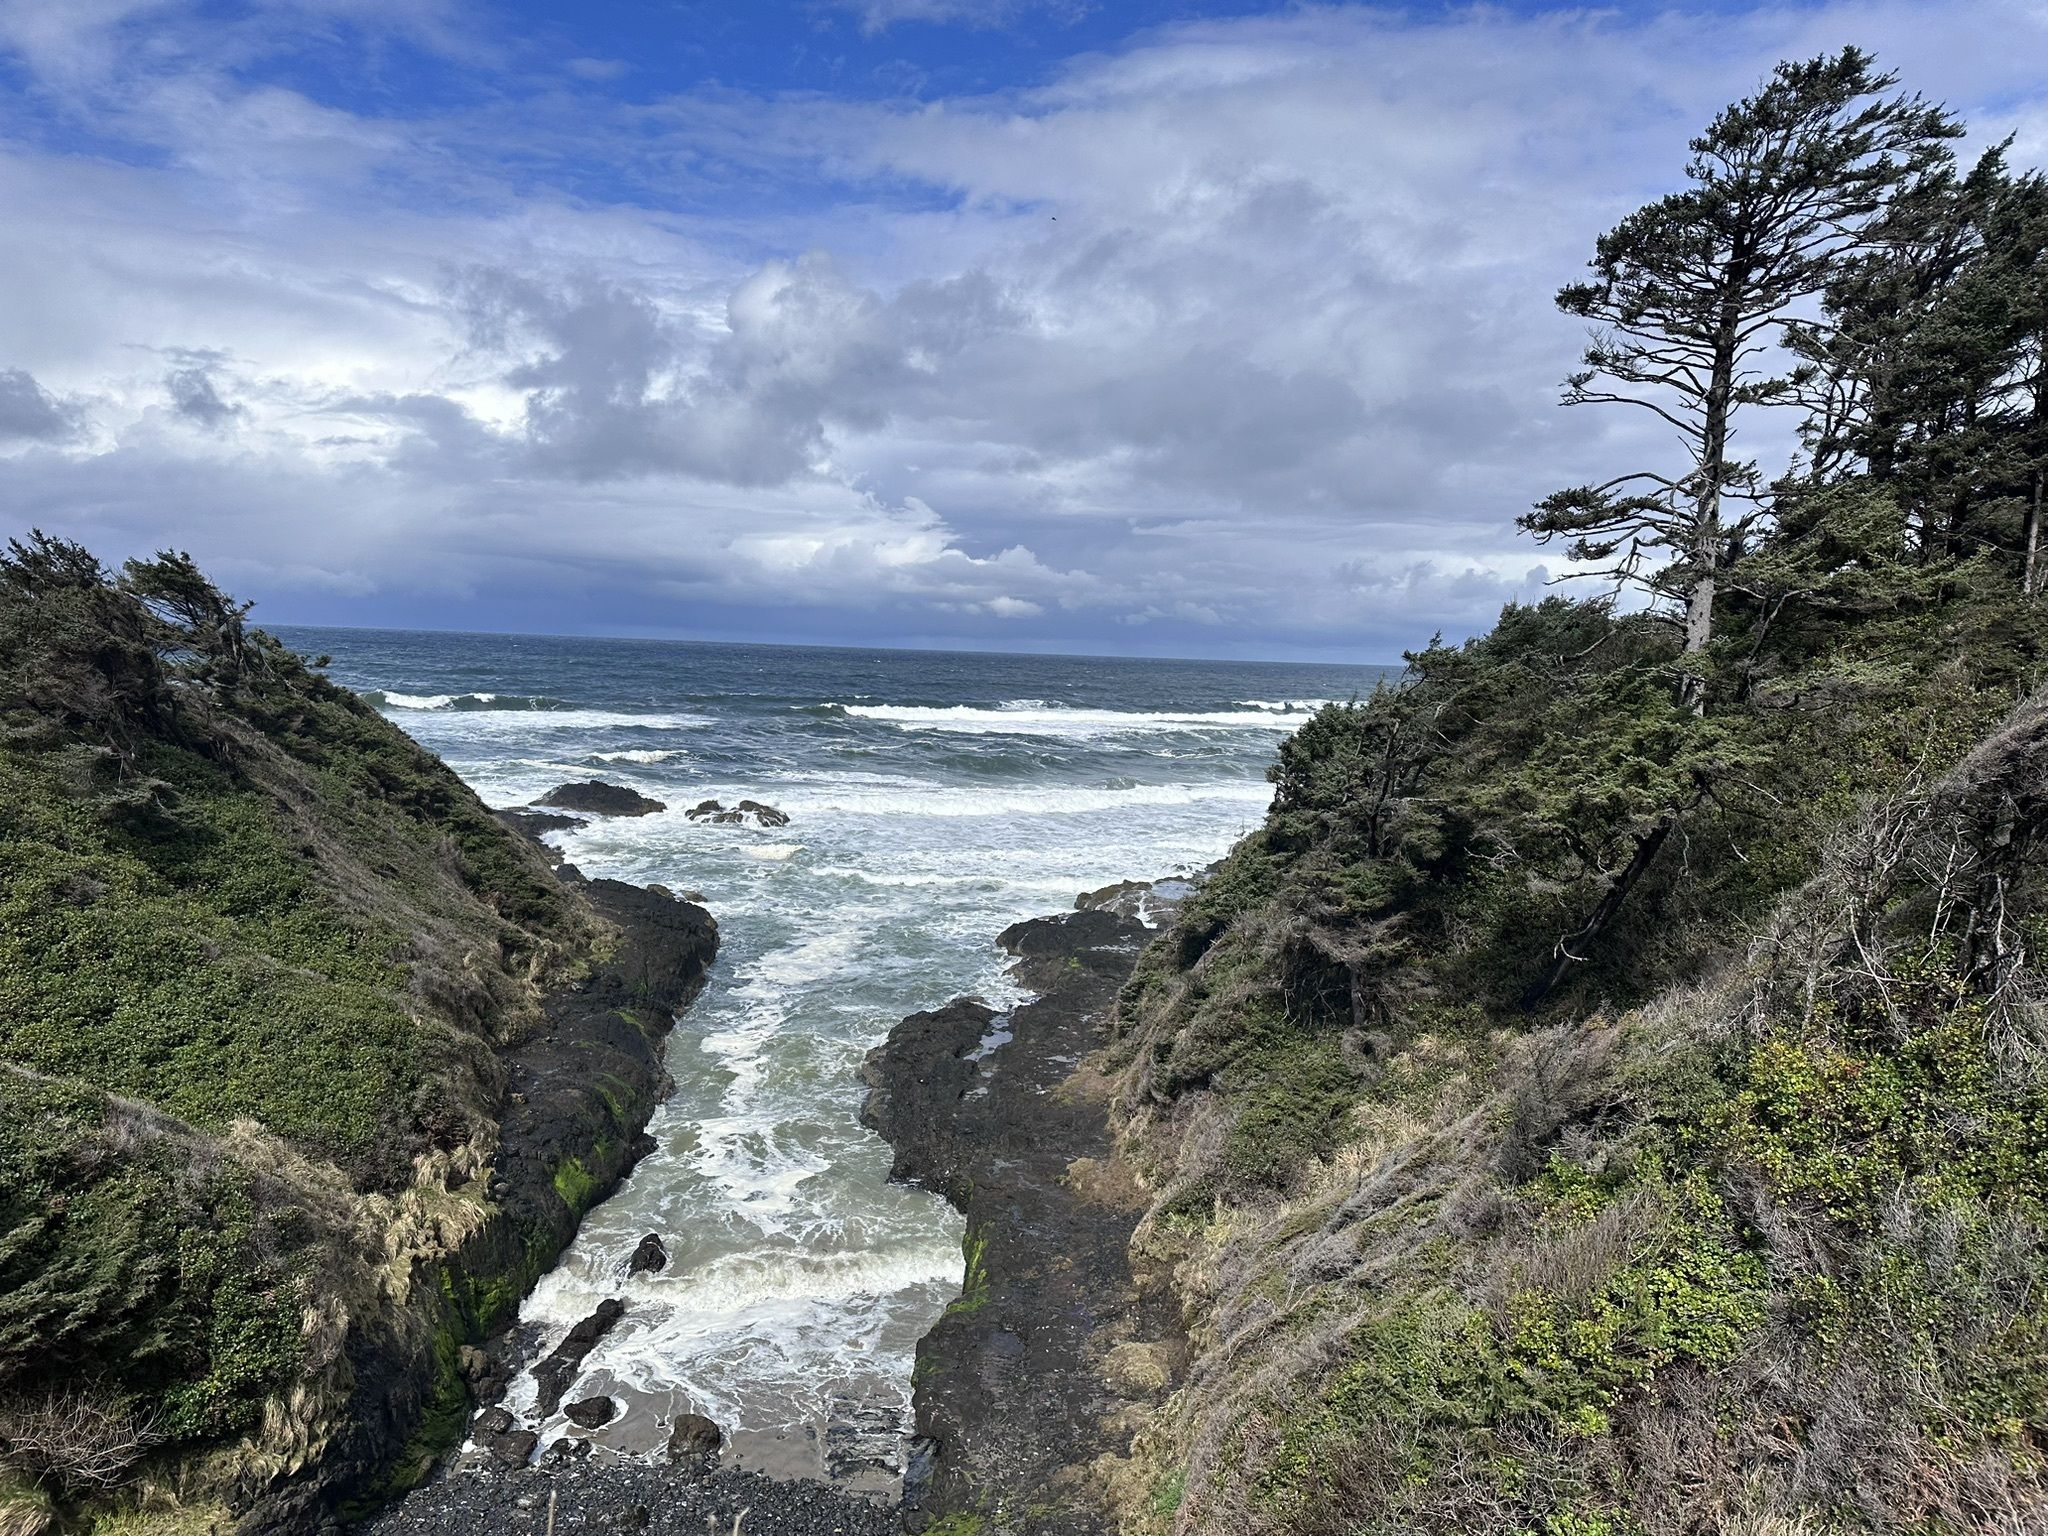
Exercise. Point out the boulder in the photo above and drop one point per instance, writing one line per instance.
(764, 815)
(694, 1440)
(493, 1422)
(515, 1449)
(649, 1258)
(592, 1412)
(601, 799)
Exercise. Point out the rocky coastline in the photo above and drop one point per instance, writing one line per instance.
(1031, 1388)
(577, 1097)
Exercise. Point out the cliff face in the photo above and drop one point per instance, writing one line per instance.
(308, 1066)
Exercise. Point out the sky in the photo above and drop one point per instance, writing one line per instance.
(1116, 326)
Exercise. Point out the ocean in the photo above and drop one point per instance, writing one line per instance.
(934, 798)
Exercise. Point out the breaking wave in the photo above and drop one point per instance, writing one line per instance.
(1033, 717)
(390, 698)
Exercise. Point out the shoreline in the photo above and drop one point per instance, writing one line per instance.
(1031, 1388)
(1029, 1376)
(574, 1104)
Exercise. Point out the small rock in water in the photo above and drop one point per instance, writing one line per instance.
(649, 1257)
(592, 1412)
(746, 811)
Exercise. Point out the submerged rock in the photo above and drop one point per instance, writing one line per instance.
(600, 798)
(649, 1258)
(746, 813)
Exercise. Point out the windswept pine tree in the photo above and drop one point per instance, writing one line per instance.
(1690, 295)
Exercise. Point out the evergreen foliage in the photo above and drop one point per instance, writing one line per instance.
(1610, 1092)
(256, 948)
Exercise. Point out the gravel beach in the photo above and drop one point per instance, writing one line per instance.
(626, 1498)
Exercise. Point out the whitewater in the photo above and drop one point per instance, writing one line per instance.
(933, 800)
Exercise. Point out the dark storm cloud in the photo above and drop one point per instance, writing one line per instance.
(196, 398)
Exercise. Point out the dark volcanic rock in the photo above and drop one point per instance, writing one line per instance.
(521, 818)
(1018, 1393)
(600, 798)
(1098, 939)
(648, 1258)
(516, 1448)
(743, 813)
(576, 1090)
(591, 1412)
(563, 1362)
(694, 1442)
(494, 1421)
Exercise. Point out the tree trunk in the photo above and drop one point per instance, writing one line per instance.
(1618, 886)
(1706, 530)
(2033, 539)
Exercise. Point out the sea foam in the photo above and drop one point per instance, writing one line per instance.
(1031, 717)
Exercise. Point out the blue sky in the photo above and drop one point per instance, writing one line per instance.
(1185, 329)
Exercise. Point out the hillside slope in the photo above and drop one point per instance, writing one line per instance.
(1764, 1251)
(268, 974)
(1610, 1093)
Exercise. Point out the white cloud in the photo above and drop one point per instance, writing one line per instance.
(880, 15)
(1241, 333)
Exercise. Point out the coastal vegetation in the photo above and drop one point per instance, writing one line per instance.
(262, 963)
(1610, 1092)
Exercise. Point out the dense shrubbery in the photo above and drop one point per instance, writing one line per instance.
(1610, 1093)
(255, 950)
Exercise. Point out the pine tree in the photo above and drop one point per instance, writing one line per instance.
(1692, 293)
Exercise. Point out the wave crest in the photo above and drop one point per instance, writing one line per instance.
(1032, 717)
(391, 698)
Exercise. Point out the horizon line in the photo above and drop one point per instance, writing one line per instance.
(809, 645)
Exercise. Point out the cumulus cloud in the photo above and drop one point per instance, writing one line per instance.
(1238, 335)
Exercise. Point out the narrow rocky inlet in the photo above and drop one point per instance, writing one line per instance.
(1029, 1387)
